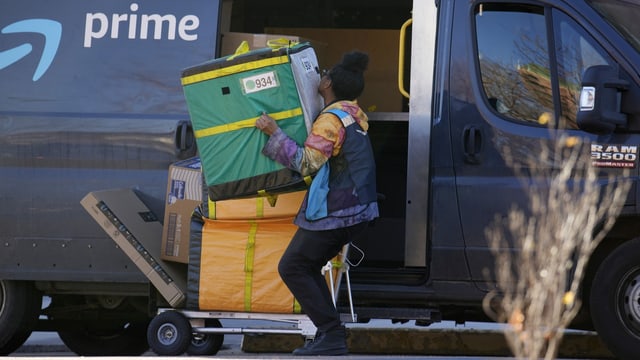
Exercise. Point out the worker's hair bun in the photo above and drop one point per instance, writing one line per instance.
(347, 77)
(355, 61)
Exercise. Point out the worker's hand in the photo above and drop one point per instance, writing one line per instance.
(266, 124)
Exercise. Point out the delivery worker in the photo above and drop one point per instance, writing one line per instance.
(341, 201)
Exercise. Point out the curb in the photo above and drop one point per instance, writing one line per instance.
(405, 341)
(430, 342)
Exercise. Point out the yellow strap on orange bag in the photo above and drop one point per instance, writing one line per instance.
(248, 265)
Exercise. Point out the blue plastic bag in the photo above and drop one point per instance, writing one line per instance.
(317, 199)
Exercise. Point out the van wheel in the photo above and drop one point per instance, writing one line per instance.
(127, 339)
(206, 344)
(20, 305)
(615, 300)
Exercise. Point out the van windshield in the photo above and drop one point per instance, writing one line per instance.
(623, 15)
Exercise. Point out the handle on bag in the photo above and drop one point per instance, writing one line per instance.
(241, 49)
(280, 43)
(274, 44)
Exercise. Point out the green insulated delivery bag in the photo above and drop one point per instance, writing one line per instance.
(226, 96)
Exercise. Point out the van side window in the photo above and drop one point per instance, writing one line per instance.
(576, 51)
(514, 60)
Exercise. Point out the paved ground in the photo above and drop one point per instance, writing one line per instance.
(378, 339)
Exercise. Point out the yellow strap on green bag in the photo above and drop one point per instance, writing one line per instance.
(245, 123)
(234, 69)
(274, 44)
(280, 43)
(243, 48)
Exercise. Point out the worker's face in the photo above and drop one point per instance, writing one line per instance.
(325, 82)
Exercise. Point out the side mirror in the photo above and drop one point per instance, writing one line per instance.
(600, 99)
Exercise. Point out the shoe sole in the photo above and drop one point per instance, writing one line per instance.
(324, 352)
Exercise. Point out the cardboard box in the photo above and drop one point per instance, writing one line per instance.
(231, 40)
(136, 230)
(381, 78)
(184, 193)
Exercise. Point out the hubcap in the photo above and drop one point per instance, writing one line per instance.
(198, 339)
(167, 334)
(630, 302)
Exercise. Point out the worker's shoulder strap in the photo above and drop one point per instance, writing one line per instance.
(344, 116)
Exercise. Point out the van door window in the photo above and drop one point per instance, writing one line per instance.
(513, 54)
(514, 58)
(576, 51)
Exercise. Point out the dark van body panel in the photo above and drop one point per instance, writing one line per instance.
(48, 168)
(91, 99)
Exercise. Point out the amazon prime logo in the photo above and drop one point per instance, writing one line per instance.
(52, 32)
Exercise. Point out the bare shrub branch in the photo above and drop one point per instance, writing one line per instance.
(541, 252)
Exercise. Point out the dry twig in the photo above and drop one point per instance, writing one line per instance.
(569, 213)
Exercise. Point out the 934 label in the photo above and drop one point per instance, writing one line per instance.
(259, 82)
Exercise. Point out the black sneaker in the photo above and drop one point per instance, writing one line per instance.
(330, 343)
(319, 335)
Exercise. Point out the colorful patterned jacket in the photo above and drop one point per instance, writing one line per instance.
(348, 203)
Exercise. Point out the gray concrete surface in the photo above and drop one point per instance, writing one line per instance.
(377, 339)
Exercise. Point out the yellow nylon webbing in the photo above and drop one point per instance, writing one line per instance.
(243, 48)
(272, 199)
(307, 180)
(212, 208)
(280, 43)
(246, 123)
(259, 207)
(234, 69)
(248, 265)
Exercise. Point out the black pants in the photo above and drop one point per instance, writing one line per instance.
(300, 269)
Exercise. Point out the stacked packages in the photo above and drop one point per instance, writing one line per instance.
(245, 221)
(234, 255)
(225, 98)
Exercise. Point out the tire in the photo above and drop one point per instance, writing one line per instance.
(206, 344)
(122, 340)
(15, 342)
(615, 300)
(20, 305)
(169, 334)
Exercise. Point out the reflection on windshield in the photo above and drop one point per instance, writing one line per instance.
(515, 62)
(622, 15)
